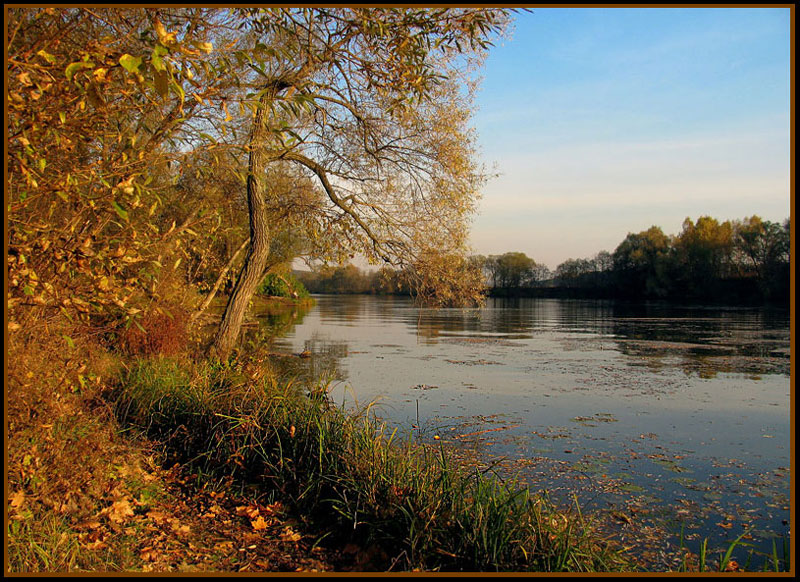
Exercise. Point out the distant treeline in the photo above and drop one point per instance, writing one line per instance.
(741, 261)
(349, 279)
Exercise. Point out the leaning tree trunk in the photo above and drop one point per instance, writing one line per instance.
(220, 280)
(255, 263)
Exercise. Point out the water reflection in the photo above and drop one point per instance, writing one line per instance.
(657, 389)
(273, 319)
(699, 341)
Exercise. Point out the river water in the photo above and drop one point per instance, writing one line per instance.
(670, 420)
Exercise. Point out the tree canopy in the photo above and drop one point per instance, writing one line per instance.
(327, 132)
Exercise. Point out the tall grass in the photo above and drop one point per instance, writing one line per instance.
(703, 562)
(350, 476)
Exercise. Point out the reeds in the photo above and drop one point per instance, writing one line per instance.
(704, 562)
(351, 477)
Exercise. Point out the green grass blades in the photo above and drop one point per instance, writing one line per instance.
(350, 476)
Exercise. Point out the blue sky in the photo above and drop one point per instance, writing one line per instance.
(607, 121)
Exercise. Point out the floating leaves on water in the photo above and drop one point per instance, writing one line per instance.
(598, 417)
(669, 464)
(685, 481)
(631, 488)
(712, 496)
(475, 362)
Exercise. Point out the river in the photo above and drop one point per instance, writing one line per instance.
(675, 421)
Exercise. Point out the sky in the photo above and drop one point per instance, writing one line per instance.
(602, 122)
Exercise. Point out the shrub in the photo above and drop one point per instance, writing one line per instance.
(288, 285)
(162, 330)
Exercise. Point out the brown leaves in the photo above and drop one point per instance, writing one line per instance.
(260, 517)
(16, 500)
(119, 511)
(289, 535)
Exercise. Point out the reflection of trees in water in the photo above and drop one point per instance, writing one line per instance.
(431, 325)
(704, 342)
(515, 318)
(328, 356)
(326, 362)
(272, 320)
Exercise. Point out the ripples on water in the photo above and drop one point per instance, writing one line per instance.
(674, 415)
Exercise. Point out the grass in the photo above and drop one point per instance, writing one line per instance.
(409, 506)
(86, 493)
(66, 463)
(703, 562)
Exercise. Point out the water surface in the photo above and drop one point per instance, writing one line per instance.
(665, 417)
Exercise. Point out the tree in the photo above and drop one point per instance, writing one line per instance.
(573, 272)
(510, 270)
(539, 274)
(370, 103)
(642, 264)
(97, 105)
(704, 253)
(341, 131)
(759, 244)
(762, 249)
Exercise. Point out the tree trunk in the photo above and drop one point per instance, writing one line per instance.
(255, 262)
(220, 279)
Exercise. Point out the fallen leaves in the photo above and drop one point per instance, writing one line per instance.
(119, 511)
(260, 517)
(17, 499)
(289, 535)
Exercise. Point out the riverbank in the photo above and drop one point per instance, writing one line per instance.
(120, 463)
(172, 464)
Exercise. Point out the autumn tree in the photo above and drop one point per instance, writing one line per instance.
(510, 270)
(101, 104)
(642, 264)
(346, 128)
(762, 248)
(371, 103)
(703, 252)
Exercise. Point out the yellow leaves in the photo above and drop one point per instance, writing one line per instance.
(46, 56)
(100, 74)
(288, 535)
(178, 528)
(130, 63)
(90, 524)
(246, 511)
(259, 523)
(119, 511)
(148, 554)
(16, 500)
(228, 116)
(157, 516)
(164, 37)
(732, 566)
(260, 518)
